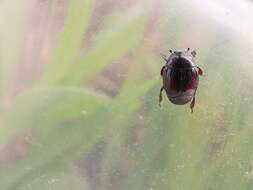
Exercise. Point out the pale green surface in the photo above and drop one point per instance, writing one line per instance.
(59, 126)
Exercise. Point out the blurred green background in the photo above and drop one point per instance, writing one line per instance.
(79, 87)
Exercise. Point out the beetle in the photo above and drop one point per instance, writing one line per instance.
(180, 76)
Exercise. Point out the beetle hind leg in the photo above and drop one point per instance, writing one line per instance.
(161, 96)
(192, 104)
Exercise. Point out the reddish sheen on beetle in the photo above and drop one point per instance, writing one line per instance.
(180, 77)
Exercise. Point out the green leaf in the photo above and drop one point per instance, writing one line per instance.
(68, 141)
(123, 35)
(70, 40)
(48, 107)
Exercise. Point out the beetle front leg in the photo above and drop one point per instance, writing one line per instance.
(192, 104)
(161, 96)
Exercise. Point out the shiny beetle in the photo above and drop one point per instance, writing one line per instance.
(180, 77)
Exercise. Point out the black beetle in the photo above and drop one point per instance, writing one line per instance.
(180, 77)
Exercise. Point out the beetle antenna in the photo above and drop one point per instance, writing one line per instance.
(164, 57)
(170, 51)
(188, 49)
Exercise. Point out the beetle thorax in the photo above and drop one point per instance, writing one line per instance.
(179, 60)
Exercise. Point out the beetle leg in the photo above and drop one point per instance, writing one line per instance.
(161, 96)
(162, 70)
(192, 104)
(200, 71)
